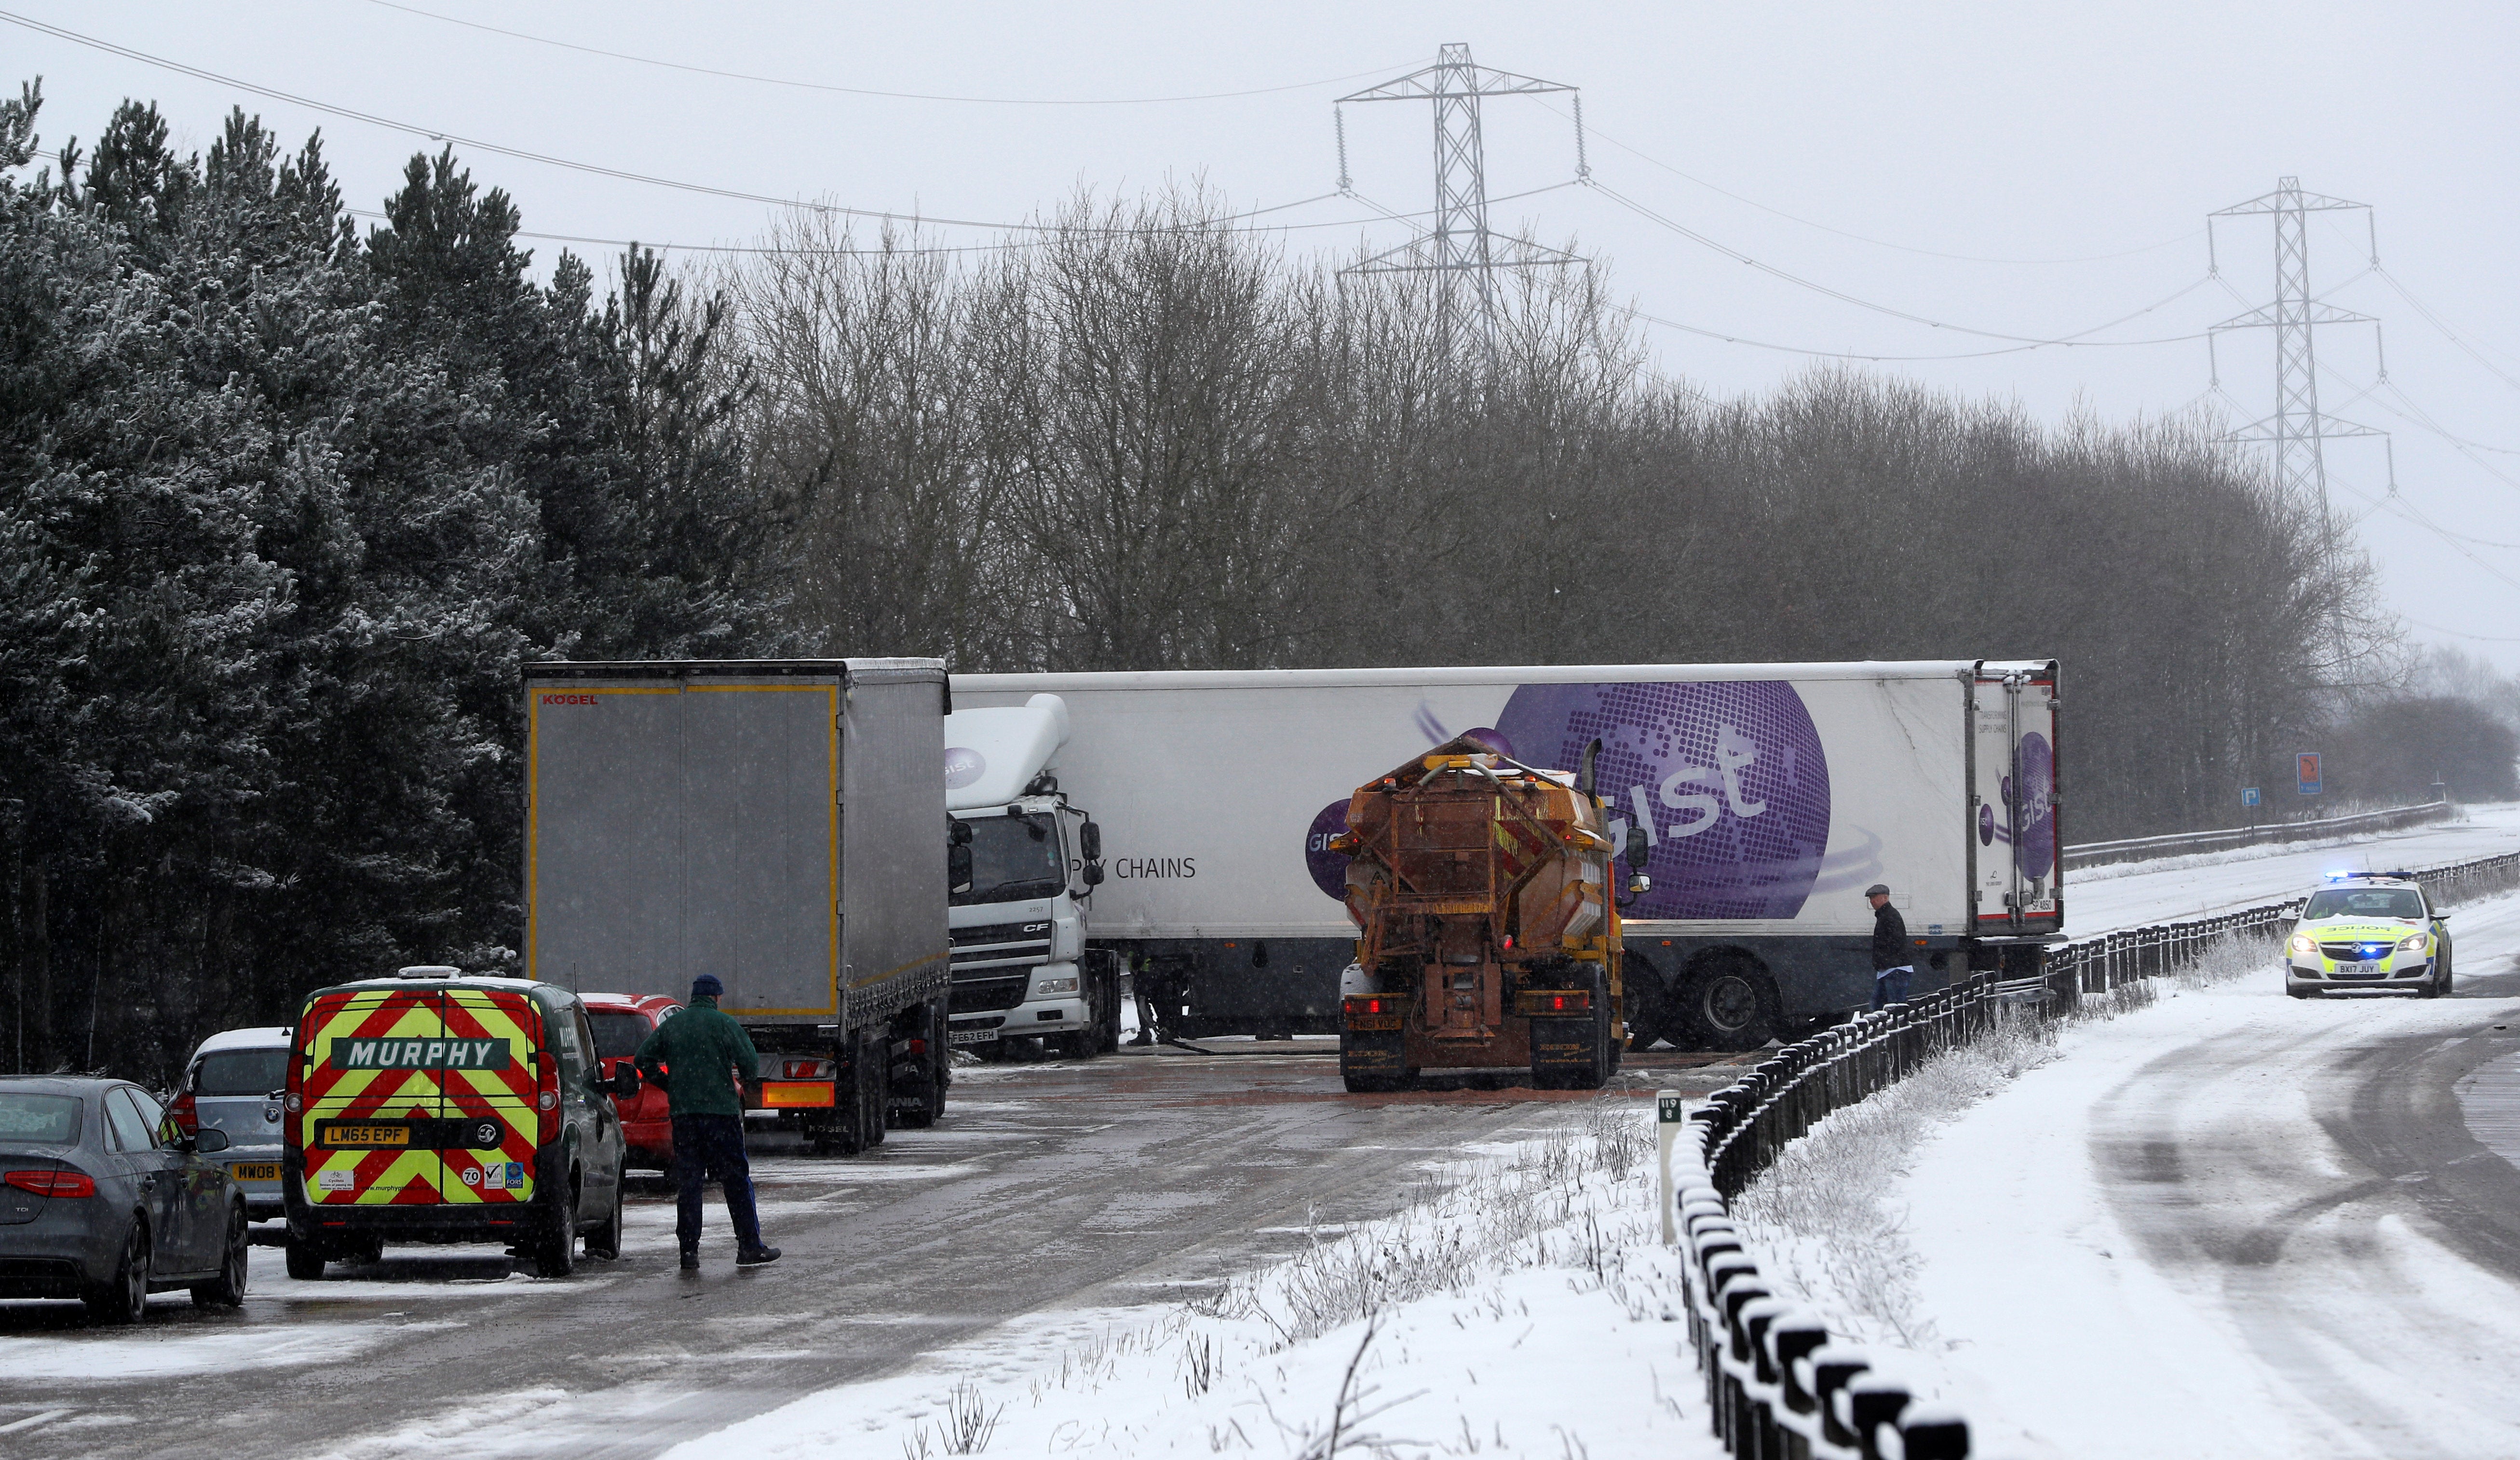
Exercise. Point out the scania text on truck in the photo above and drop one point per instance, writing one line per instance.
(1022, 969)
(773, 823)
(1771, 796)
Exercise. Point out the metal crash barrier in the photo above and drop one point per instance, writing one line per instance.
(1779, 1384)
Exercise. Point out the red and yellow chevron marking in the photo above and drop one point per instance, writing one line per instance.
(506, 1174)
(1520, 844)
(387, 1175)
(421, 1174)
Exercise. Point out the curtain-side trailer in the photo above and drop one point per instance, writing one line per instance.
(774, 823)
(1772, 795)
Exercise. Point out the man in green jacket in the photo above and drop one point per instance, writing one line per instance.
(696, 1056)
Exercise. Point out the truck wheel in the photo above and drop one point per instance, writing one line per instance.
(1730, 1007)
(1644, 997)
(877, 1062)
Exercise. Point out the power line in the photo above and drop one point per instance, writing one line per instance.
(597, 169)
(1971, 258)
(2045, 344)
(2020, 342)
(2459, 633)
(2438, 323)
(898, 96)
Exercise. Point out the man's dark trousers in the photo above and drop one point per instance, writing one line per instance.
(1889, 987)
(708, 1146)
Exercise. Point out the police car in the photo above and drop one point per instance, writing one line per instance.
(2368, 932)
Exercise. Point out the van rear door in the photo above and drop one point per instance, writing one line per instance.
(492, 1125)
(374, 1058)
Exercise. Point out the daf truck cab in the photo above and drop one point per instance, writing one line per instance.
(1022, 969)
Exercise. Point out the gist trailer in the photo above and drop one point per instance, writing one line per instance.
(1771, 796)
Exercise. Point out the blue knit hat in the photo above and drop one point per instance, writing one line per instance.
(706, 986)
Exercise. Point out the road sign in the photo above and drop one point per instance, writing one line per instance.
(2305, 768)
(2248, 795)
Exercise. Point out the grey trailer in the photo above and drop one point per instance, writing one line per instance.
(774, 823)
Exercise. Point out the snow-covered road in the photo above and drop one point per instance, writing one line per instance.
(2132, 893)
(2239, 1225)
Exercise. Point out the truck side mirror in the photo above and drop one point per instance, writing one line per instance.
(1639, 847)
(1093, 874)
(958, 865)
(1088, 841)
(1584, 767)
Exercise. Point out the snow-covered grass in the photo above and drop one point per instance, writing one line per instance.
(1826, 1223)
(2259, 852)
(1522, 1305)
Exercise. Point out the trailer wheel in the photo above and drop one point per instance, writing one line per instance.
(1729, 1006)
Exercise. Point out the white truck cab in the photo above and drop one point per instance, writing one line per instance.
(1022, 969)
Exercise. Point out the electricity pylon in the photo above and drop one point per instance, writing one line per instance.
(1460, 248)
(2297, 429)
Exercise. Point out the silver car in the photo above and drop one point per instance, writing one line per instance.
(234, 1085)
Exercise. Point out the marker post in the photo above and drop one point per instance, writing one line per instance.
(1668, 1121)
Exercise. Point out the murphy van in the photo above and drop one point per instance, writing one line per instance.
(433, 1107)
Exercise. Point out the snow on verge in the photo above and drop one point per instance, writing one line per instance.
(1828, 1224)
(1525, 1307)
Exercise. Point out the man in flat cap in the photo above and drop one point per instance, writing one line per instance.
(1893, 965)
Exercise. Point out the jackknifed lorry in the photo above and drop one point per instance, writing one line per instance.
(774, 823)
(1769, 795)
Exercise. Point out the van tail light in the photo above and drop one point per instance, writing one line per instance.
(63, 1184)
(292, 1095)
(546, 1096)
(186, 1113)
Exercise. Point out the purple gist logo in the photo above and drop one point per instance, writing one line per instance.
(1328, 867)
(963, 766)
(1985, 824)
(1727, 777)
(2034, 849)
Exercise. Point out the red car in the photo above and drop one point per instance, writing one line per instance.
(622, 1023)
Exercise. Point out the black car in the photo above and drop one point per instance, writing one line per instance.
(103, 1197)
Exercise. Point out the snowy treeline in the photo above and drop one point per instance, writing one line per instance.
(284, 505)
(1151, 441)
(280, 510)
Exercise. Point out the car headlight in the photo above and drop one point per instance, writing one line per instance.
(2303, 943)
(2414, 944)
(1054, 986)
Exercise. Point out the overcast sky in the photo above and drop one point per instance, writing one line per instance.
(2026, 169)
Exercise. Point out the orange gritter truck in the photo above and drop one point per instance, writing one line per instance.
(1483, 891)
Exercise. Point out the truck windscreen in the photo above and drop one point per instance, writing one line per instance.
(1014, 857)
